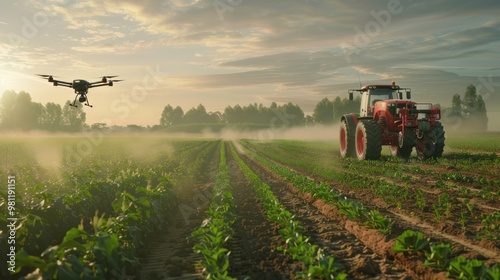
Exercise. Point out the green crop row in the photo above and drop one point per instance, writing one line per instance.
(351, 209)
(97, 229)
(385, 167)
(460, 268)
(211, 236)
(391, 194)
(110, 247)
(439, 256)
(317, 264)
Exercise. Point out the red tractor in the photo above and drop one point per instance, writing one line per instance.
(386, 119)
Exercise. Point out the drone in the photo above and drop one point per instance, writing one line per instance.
(81, 87)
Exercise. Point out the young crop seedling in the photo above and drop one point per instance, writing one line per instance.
(352, 209)
(439, 256)
(377, 221)
(463, 220)
(462, 268)
(470, 206)
(491, 226)
(420, 202)
(411, 241)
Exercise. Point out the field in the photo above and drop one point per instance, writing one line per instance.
(159, 207)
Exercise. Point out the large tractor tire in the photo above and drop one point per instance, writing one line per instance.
(426, 148)
(432, 145)
(347, 146)
(406, 144)
(368, 140)
(438, 132)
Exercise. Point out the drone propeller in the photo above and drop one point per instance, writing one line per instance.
(45, 76)
(104, 79)
(115, 81)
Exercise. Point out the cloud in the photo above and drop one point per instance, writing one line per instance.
(288, 47)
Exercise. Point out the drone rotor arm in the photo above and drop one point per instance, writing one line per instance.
(100, 84)
(62, 83)
(97, 83)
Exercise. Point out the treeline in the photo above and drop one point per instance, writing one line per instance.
(467, 113)
(19, 113)
(289, 114)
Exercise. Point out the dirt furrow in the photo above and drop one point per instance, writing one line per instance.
(359, 261)
(255, 241)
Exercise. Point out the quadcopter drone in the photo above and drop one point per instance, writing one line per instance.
(81, 87)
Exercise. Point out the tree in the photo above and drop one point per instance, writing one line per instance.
(177, 115)
(18, 112)
(196, 115)
(52, 117)
(337, 109)
(7, 109)
(171, 116)
(26, 116)
(323, 112)
(165, 119)
(73, 118)
(291, 115)
(471, 110)
(470, 99)
(456, 105)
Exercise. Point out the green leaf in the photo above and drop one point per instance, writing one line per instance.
(23, 259)
(73, 234)
(410, 241)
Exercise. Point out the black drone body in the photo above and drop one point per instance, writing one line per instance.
(81, 87)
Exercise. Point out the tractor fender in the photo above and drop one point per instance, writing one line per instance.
(352, 121)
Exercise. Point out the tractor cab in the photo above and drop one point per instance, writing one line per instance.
(371, 94)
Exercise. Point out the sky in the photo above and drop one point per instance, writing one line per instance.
(227, 52)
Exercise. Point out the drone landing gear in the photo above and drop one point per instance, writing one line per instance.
(87, 103)
(83, 98)
(74, 101)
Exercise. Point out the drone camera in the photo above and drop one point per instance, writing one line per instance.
(82, 99)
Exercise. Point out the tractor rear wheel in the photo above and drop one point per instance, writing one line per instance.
(438, 131)
(346, 141)
(368, 140)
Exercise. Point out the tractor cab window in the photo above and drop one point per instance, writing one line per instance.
(379, 95)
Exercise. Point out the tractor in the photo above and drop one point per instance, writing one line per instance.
(386, 119)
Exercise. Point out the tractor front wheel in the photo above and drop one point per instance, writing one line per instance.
(368, 140)
(425, 148)
(346, 141)
(432, 144)
(406, 143)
